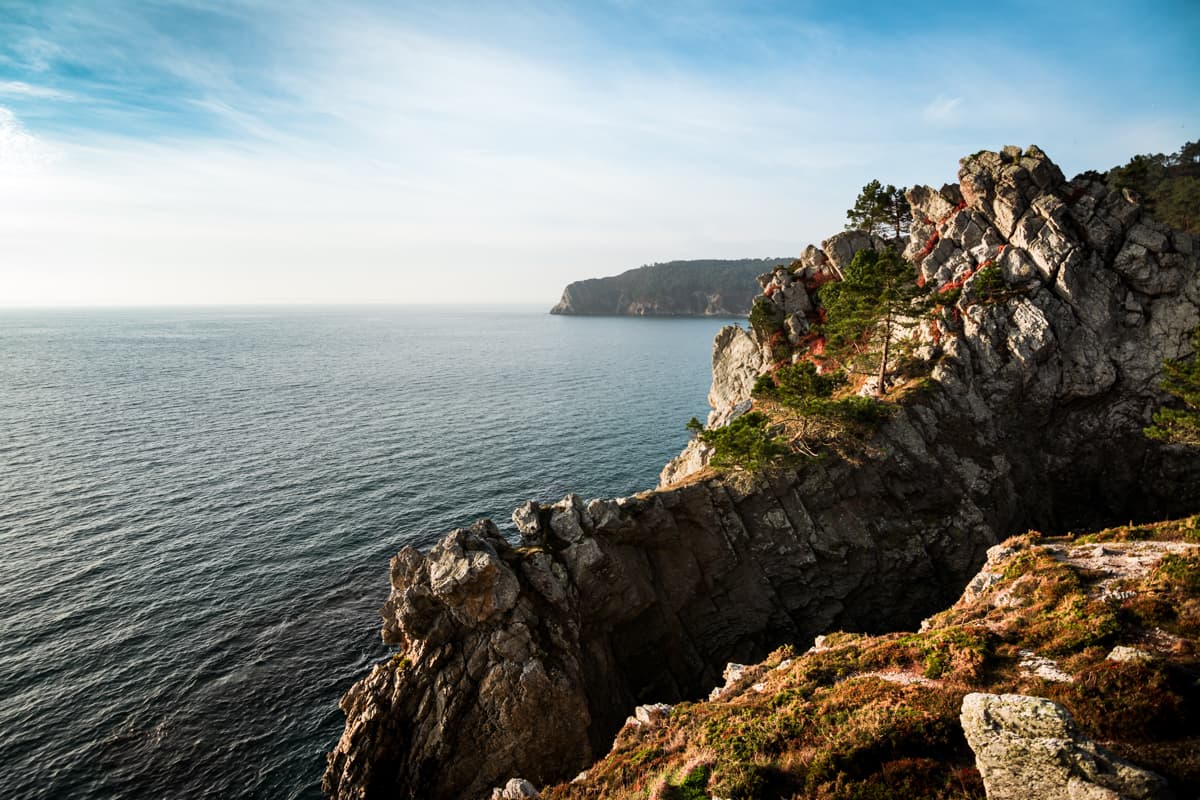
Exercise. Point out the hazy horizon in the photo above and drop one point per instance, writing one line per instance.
(270, 153)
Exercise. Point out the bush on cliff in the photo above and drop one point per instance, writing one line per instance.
(798, 386)
(1181, 379)
(749, 442)
(1168, 185)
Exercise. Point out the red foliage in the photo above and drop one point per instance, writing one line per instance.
(958, 284)
(816, 281)
(818, 346)
(821, 315)
(921, 281)
(929, 245)
(935, 332)
(770, 290)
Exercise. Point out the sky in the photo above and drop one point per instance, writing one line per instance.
(159, 152)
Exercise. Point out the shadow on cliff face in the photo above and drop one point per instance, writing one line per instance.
(525, 659)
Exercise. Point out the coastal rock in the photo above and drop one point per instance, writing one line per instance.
(525, 661)
(1029, 747)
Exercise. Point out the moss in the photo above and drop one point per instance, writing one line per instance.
(694, 785)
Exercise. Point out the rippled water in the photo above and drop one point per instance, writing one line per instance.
(197, 508)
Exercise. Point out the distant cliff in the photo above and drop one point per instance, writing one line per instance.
(673, 289)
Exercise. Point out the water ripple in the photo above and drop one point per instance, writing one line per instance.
(197, 508)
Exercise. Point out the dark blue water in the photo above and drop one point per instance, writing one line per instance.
(197, 508)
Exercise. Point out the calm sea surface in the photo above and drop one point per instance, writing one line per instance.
(197, 508)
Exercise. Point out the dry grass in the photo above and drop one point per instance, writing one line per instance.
(877, 717)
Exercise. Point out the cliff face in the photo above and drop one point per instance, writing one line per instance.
(673, 289)
(524, 660)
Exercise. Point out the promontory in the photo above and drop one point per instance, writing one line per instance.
(711, 288)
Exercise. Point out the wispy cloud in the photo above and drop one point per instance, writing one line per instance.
(21, 153)
(278, 151)
(942, 109)
(22, 89)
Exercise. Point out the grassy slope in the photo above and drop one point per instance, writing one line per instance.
(877, 717)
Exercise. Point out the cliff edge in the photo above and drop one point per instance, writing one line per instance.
(1023, 409)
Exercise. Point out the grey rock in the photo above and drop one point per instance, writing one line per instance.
(1125, 653)
(515, 789)
(841, 248)
(653, 715)
(1029, 747)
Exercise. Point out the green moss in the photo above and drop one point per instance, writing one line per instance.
(694, 785)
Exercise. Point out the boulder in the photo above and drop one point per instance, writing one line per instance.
(1029, 747)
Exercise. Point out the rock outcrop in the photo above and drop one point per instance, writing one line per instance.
(1029, 747)
(525, 659)
(672, 289)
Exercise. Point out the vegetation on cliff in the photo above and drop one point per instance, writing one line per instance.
(1181, 378)
(1106, 624)
(1168, 185)
(878, 295)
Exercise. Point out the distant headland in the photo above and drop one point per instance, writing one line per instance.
(705, 288)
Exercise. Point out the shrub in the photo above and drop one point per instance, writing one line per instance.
(765, 317)
(746, 442)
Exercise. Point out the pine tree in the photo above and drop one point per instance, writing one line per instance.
(1182, 379)
(882, 210)
(863, 311)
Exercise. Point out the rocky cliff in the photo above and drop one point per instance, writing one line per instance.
(672, 289)
(1024, 408)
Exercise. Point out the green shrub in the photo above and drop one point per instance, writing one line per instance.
(746, 442)
(798, 385)
(765, 317)
(988, 284)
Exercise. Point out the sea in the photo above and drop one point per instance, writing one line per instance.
(198, 505)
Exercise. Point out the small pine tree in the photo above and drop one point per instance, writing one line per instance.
(1182, 379)
(882, 210)
(879, 294)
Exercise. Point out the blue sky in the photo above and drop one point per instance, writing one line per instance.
(185, 151)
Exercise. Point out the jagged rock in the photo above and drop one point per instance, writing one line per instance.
(1028, 747)
(693, 459)
(737, 362)
(813, 259)
(1030, 418)
(516, 789)
(841, 248)
(653, 715)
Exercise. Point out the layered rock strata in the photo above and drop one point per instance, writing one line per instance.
(522, 659)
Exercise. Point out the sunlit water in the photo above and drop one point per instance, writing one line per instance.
(197, 508)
